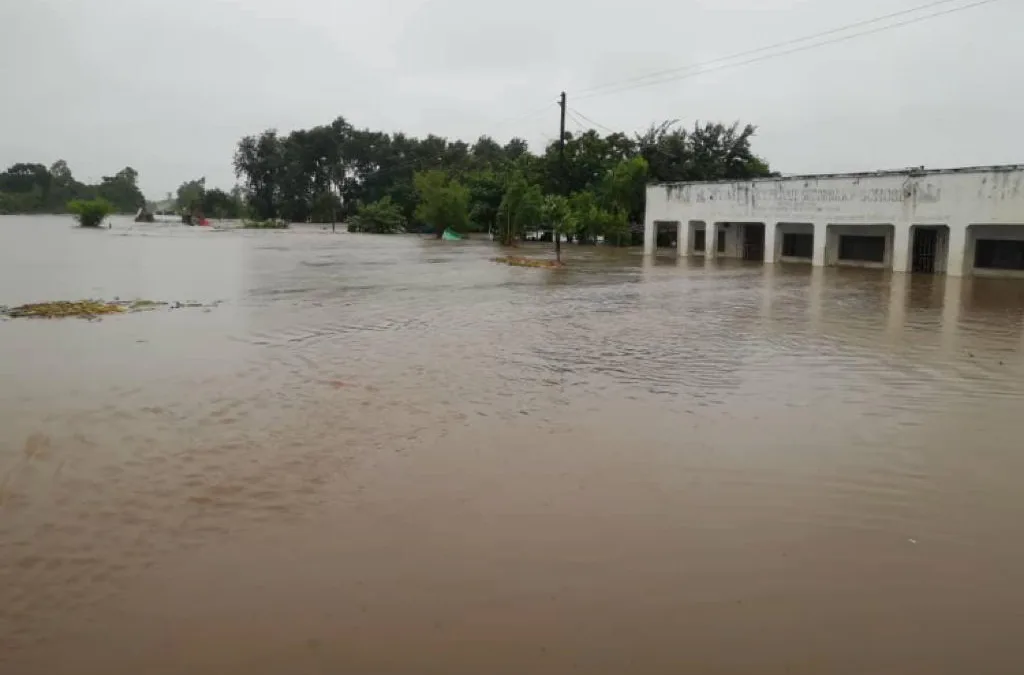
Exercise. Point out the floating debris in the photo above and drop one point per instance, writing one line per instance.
(517, 261)
(139, 305)
(272, 224)
(61, 309)
(90, 309)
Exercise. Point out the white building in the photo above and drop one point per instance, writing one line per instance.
(959, 222)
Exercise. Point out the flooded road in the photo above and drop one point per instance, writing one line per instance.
(390, 455)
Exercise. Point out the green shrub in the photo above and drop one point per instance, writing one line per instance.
(381, 217)
(90, 212)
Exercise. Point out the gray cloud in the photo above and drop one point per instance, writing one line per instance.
(169, 87)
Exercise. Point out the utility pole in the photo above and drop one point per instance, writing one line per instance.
(561, 170)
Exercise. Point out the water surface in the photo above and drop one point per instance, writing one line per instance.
(391, 455)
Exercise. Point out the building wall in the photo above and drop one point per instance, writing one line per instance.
(957, 198)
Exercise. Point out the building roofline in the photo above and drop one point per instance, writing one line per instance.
(912, 171)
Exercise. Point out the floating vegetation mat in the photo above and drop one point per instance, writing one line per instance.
(87, 309)
(516, 261)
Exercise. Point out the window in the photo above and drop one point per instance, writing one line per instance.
(698, 241)
(798, 245)
(999, 254)
(721, 241)
(862, 248)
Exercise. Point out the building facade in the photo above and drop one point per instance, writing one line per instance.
(959, 222)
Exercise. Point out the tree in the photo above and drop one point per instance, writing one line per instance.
(487, 152)
(589, 219)
(326, 207)
(217, 203)
(712, 151)
(127, 175)
(310, 172)
(260, 161)
(625, 188)
(121, 191)
(486, 191)
(558, 214)
(521, 208)
(515, 148)
(190, 196)
(443, 202)
(381, 217)
(588, 159)
(60, 172)
(32, 188)
(23, 178)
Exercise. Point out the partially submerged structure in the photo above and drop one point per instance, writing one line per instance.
(960, 222)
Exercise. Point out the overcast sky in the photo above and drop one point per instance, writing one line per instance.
(169, 86)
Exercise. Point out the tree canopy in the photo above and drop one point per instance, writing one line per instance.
(32, 188)
(194, 199)
(380, 217)
(443, 202)
(393, 182)
(503, 187)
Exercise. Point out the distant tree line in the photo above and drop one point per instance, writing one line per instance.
(194, 199)
(33, 188)
(380, 182)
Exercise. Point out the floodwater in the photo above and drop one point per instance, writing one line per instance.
(390, 455)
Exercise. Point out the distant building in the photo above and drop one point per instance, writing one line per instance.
(959, 222)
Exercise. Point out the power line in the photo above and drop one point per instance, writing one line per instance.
(427, 163)
(655, 148)
(637, 83)
(575, 117)
(596, 124)
(518, 118)
(758, 50)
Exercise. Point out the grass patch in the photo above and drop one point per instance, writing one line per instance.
(517, 261)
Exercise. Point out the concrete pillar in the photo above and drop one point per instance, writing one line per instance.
(770, 246)
(734, 241)
(820, 244)
(683, 238)
(900, 247)
(960, 258)
(650, 236)
(711, 240)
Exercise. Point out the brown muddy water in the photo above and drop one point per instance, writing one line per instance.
(390, 455)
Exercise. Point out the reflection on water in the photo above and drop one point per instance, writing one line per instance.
(391, 455)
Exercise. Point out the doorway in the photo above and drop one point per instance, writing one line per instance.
(699, 241)
(753, 242)
(665, 234)
(926, 245)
